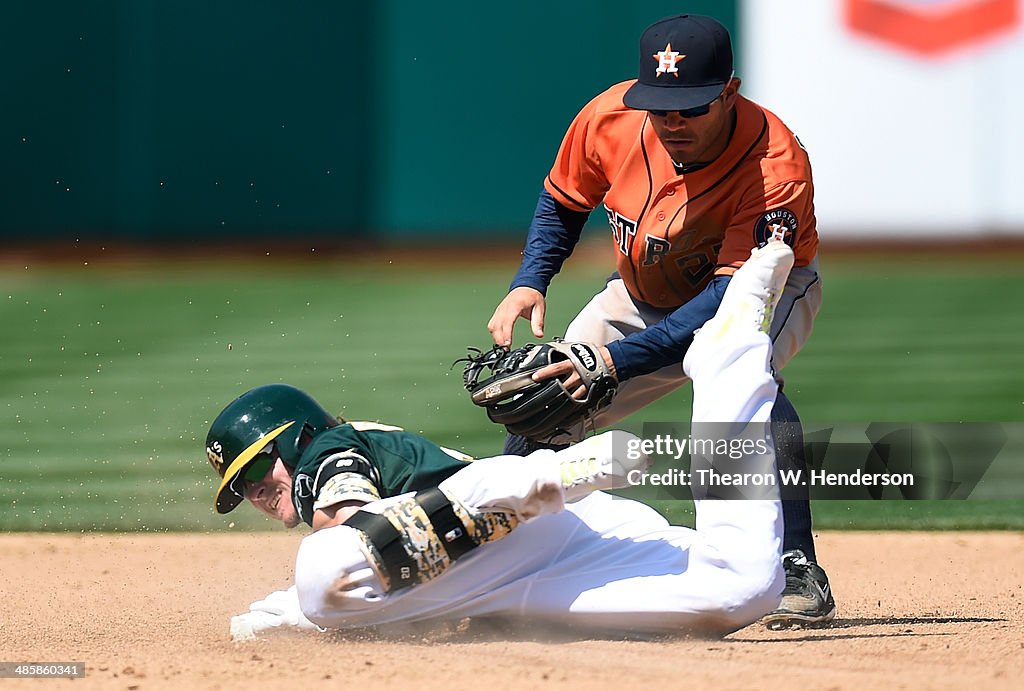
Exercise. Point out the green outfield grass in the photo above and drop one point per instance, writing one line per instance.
(111, 376)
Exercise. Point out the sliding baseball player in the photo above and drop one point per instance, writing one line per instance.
(406, 531)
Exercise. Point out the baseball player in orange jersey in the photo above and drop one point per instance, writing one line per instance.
(692, 176)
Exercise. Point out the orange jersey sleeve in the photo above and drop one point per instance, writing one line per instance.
(783, 213)
(584, 166)
(673, 232)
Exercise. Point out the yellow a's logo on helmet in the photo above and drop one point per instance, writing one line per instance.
(215, 452)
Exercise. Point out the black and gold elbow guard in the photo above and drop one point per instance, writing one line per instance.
(418, 537)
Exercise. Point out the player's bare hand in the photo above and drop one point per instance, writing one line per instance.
(570, 377)
(524, 302)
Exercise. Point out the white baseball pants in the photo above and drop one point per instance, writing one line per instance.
(611, 315)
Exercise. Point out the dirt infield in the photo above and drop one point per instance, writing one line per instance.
(917, 610)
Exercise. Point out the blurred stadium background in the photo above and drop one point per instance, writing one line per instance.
(200, 197)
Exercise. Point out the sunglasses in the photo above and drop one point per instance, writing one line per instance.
(687, 113)
(257, 470)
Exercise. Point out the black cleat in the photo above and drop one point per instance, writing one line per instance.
(807, 599)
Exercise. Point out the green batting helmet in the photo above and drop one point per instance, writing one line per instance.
(278, 413)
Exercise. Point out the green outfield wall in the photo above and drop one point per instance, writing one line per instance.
(140, 120)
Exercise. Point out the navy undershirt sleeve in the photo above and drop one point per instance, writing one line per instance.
(553, 235)
(665, 342)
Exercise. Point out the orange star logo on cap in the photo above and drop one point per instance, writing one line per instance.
(667, 60)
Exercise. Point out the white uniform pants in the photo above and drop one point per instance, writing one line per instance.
(612, 315)
(603, 563)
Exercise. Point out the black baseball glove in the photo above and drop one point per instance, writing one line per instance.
(500, 380)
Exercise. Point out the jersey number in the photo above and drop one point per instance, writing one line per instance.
(694, 267)
(697, 266)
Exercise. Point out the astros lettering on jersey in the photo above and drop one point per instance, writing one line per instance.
(674, 232)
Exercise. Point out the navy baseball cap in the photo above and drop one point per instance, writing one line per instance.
(685, 62)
